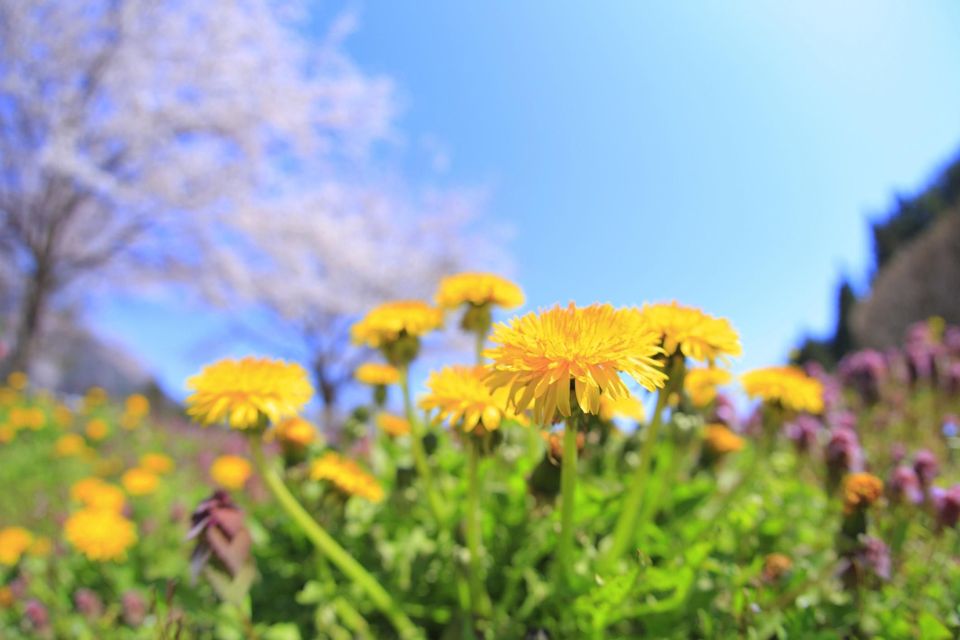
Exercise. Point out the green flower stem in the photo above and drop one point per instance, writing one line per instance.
(479, 346)
(479, 602)
(626, 528)
(416, 447)
(330, 548)
(568, 490)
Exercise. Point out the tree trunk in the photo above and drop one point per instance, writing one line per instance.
(31, 318)
(328, 396)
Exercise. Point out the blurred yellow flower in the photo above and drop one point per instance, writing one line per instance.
(463, 399)
(241, 391)
(625, 407)
(97, 429)
(14, 541)
(789, 386)
(374, 373)
(391, 320)
(69, 445)
(95, 397)
(97, 494)
(6, 597)
(692, 332)
(393, 424)
(720, 440)
(347, 476)
(27, 418)
(7, 433)
(8, 396)
(478, 289)
(139, 482)
(100, 534)
(137, 404)
(230, 472)
(18, 380)
(157, 463)
(296, 431)
(861, 490)
(546, 357)
(701, 384)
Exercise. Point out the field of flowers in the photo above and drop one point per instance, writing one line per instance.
(529, 493)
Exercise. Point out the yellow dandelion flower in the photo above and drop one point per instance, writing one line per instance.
(720, 440)
(393, 424)
(701, 384)
(230, 472)
(100, 534)
(62, 416)
(692, 332)
(157, 463)
(7, 433)
(97, 494)
(97, 429)
(789, 386)
(478, 289)
(6, 597)
(464, 400)
(374, 373)
(14, 542)
(69, 445)
(626, 407)
(139, 482)
(347, 476)
(137, 404)
(390, 321)
(296, 431)
(241, 391)
(18, 380)
(541, 357)
(95, 397)
(860, 490)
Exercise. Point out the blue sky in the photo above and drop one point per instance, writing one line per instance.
(724, 154)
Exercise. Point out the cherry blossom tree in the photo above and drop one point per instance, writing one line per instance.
(132, 131)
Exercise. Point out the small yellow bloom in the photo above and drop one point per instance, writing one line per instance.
(27, 418)
(97, 429)
(139, 482)
(860, 490)
(14, 541)
(463, 399)
(296, 431)
(347, 476)
(720, 440)
(6, 597)
(97, 494)
(100, 534)
(241, 391)
(692, 332)
(137, 404)
(69, 445)
(230, 472)
(701, 384)
(157, 463)
(393, 424)
(478, 289)
(788, 386)
(390, 321)
(374, 373)
(18, 380)
(7, 433)
(545, 358)
(626, 407)
(95, 397)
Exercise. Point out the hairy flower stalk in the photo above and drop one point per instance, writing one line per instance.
(627, 521)
(416, 448)
(329, 547)
(568, 494)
